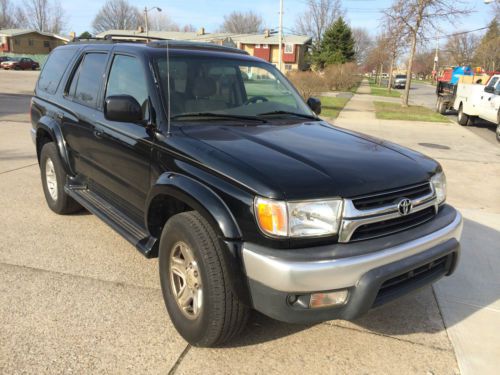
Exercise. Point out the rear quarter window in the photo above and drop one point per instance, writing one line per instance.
(53, 70)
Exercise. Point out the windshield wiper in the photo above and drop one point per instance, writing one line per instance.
(218, 115)
(289, 113)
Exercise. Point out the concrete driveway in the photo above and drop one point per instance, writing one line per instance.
(77, 298)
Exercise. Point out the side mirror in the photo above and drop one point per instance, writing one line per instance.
(122, 108)
(314, 104)
(489, 89)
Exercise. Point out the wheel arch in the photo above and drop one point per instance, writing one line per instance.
(47, 130)
(174, 193)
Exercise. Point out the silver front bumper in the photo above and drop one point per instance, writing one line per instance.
(301, 276)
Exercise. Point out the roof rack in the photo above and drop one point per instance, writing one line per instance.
(131, 36)
(117, 38)
(183, 44)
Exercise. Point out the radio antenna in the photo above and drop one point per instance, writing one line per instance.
(168, 91)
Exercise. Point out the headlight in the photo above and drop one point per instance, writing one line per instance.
(439, 183)
(298, 219)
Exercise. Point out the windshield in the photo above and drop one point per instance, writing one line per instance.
(201, 85)
(400, 76)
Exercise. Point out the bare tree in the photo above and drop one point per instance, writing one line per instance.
(363, 43)
(318, 17)
(395, 36)
(377, 56)
(240, 22)
(42, 15)
(188, 28)
(460, 48)
(161, 22)
(11, 16)
(419, 17)
(117, 15)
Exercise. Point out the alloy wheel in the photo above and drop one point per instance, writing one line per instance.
(51, 179)
(185, 280)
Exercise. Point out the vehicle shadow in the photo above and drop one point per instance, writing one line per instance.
(418, 312)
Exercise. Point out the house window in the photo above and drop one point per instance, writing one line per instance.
(266, 46)
(46, 44)
(31, 42)
(288, 67)
(16, 42)
(288, 48)
(257, 46)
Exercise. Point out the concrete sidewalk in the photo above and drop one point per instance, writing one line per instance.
(469, 300)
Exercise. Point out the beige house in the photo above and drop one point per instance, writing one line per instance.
(264, 45)
(29, 41)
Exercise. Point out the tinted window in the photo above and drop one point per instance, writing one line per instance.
(127, 78)
(53, 70)
(88, 79)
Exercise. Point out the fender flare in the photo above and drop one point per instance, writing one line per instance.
(52, 127)
(200, 198)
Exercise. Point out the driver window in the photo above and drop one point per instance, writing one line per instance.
(259, 83)
(127, 78)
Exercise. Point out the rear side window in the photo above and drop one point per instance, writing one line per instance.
(87, 80)
(53, 70)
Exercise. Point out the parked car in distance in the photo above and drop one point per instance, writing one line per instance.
(20, 63)
(4, 58)
(399, 81)
(248, 198)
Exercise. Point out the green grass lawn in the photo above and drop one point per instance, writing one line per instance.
(383, 91)
(331, 107)
(394, 111)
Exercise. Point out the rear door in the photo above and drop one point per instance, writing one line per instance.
(81, 98)
(124, 152)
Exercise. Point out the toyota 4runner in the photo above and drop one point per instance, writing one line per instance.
(210, 159)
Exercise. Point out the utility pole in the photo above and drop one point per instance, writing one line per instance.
(280, 38)
(436, 58)
(146, 10)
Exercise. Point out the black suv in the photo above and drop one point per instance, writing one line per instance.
(209, 158)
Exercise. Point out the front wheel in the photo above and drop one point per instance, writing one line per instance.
(195, 282)
(498, 132)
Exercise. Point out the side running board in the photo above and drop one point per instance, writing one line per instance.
(112, 216)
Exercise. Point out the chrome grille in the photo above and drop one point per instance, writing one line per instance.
(377, 215)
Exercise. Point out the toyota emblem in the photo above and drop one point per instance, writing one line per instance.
(404, 206)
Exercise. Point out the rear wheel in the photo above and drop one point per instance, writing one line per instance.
(463, 119)
(442, 107)
(53, 181)
(498, 132)
(195, 282)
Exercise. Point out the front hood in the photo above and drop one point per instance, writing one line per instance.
(311, 160)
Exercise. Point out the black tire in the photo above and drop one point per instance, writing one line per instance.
(61, 203)
(463, 119)
(222, 315)
(442, 107)
(438, 103)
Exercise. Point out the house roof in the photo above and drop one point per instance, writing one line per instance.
(208, 37)
(18, 32)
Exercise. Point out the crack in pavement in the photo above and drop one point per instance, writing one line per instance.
(179, 360)
(16, 169)
(117, 283)
(391, 337)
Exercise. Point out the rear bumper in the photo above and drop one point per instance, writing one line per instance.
(368, 275)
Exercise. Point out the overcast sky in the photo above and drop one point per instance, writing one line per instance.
(209, 13)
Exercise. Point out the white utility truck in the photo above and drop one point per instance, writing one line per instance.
(476, 100)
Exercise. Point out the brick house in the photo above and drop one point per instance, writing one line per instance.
(265, 45)
(29, 41)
